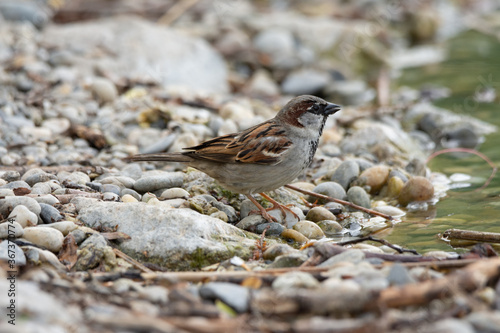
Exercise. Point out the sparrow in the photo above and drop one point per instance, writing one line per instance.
(261, 158)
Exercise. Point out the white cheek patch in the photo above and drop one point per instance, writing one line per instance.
(311, 120)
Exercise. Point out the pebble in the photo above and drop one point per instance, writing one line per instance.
(230, 212)
(47, 199)
(129, 198)
(50, 238)
(65, 227)
(128, 191)
(390, 210)
(104, 90)
(416, 189)
(484, 321)
(220, 215)
(451, 325)
(304, 82)
(330, 227)
(251, 222)
(79, 235)
(331, 189)
(120, 181)
(10, 230)
(41, 188)
(358, 196)
(375, 177)
(76, 177)
(17, 184)
(309, 229)
(289, 220)
(317, 214)
(394, 187)
(6, 192)
(294, 235)
(8, 203)
(173, 193)
(110, 196)
(7, 249)
(92, 252)
(111, 188)
(50, 214)
(399, 275)
(276, 250)
(345, 173)
(345, 286)
(293, 259)
(246, 207)
(354, 256)
(163, 181)
(10, 175)
(24, 216)
(279, 45)
(295, 280)
(275, 229)
(233, 295)
(36, 175)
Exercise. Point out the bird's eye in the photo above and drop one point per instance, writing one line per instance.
(315, 107)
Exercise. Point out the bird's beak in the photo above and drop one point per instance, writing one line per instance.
(331, 108)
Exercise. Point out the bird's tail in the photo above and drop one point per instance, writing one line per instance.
(160, 157)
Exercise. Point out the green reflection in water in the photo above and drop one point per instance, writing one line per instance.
(474, 59)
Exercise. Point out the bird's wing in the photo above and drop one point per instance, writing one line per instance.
(261, 144)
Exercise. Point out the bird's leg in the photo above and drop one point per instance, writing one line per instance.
(279, 206)
(263, 212)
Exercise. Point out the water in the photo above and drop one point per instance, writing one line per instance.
(474, 61)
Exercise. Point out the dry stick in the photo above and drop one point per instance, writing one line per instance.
(381, 241)
(176, 11)
(342, 202)
(473, 277)
(132, 261)
(273, 273)
(469, 151)
(488, 237)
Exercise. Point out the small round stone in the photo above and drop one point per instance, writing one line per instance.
(317, 214)
(251, 222)
(330, 227)
(50, 214)
(358, 196)
(275, 229)
(10, 229)
(276, 250)
(174, 193)
(163, 181)
(309, 229)
(104, 90)
(110, 196)
(375, 177)
(50, 238)
(65, 227)
(111, 188)
(36, 175)
(131, 192)
(128, 198)
(345, 173)
(331, 189)
(294, 235)
(416, 189)
(294, 280)
(394, 187)
(24, 216)
(8, 203)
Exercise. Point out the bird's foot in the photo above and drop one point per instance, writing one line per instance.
(277, 205)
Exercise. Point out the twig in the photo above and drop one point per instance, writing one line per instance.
(342, 202)
(488, 237)
(473, 277)
(176, 11)
(469, 151)
(381, 241)
(132, 261)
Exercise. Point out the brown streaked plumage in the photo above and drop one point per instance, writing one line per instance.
(261, 158)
